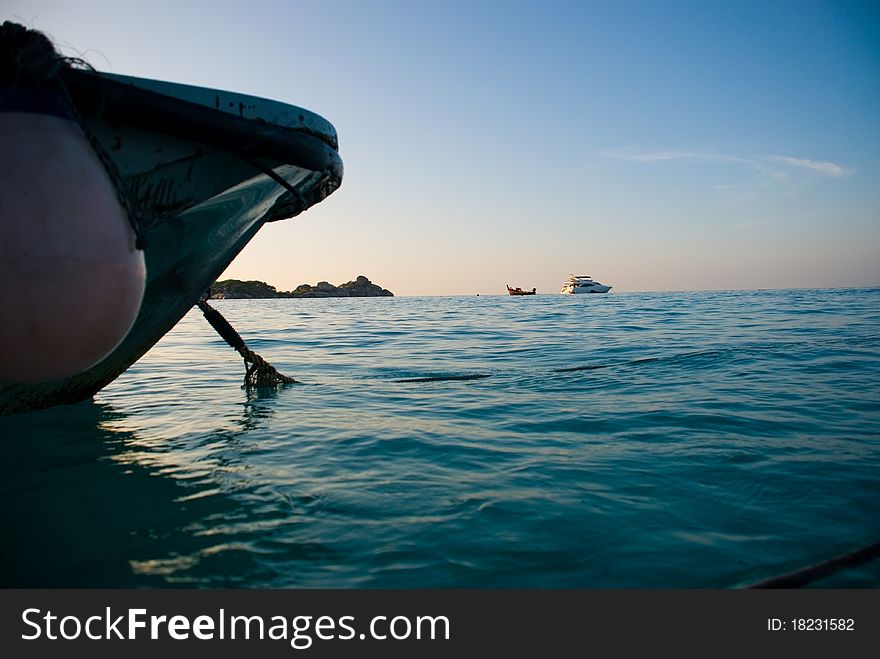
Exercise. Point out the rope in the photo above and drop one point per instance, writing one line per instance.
(805, 576)
(258, 372)
(29, 61)
(302, 204)
(114, 175)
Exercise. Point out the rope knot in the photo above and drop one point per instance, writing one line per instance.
(258, 372)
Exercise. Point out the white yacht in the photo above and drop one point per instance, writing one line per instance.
(583, 284)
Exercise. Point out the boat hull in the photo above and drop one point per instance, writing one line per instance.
(581, 290)
(200, 204)
(183, 258)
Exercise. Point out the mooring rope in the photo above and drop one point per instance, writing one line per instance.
(258, 372)
(805, 576)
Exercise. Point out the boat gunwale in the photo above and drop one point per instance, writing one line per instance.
(119, 103)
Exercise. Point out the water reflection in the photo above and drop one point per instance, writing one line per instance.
(86, 503)
(257, 408)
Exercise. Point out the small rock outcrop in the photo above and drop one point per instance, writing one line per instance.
(235, 289)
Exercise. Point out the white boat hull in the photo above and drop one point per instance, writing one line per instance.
(596, 288)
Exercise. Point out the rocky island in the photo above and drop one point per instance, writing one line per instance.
(236, 289)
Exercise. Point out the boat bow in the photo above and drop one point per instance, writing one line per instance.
(202, 170)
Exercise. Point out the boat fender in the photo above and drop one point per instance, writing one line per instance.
(73, 280)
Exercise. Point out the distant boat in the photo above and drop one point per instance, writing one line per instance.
(203, 171)
(519, 291)
(583, 284)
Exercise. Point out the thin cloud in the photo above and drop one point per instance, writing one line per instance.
(816, 166)
(649, 157)
(759, 163)
(771, 175)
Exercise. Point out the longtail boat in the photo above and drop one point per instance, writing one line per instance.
(519, 291)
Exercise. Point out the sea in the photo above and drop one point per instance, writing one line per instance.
(628, 440)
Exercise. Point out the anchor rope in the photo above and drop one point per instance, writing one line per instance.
(258, 372)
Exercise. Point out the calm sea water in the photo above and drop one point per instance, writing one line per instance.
(628, 440)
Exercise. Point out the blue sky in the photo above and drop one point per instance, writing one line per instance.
(654, 145)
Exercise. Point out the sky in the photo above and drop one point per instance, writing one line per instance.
(655, 145)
